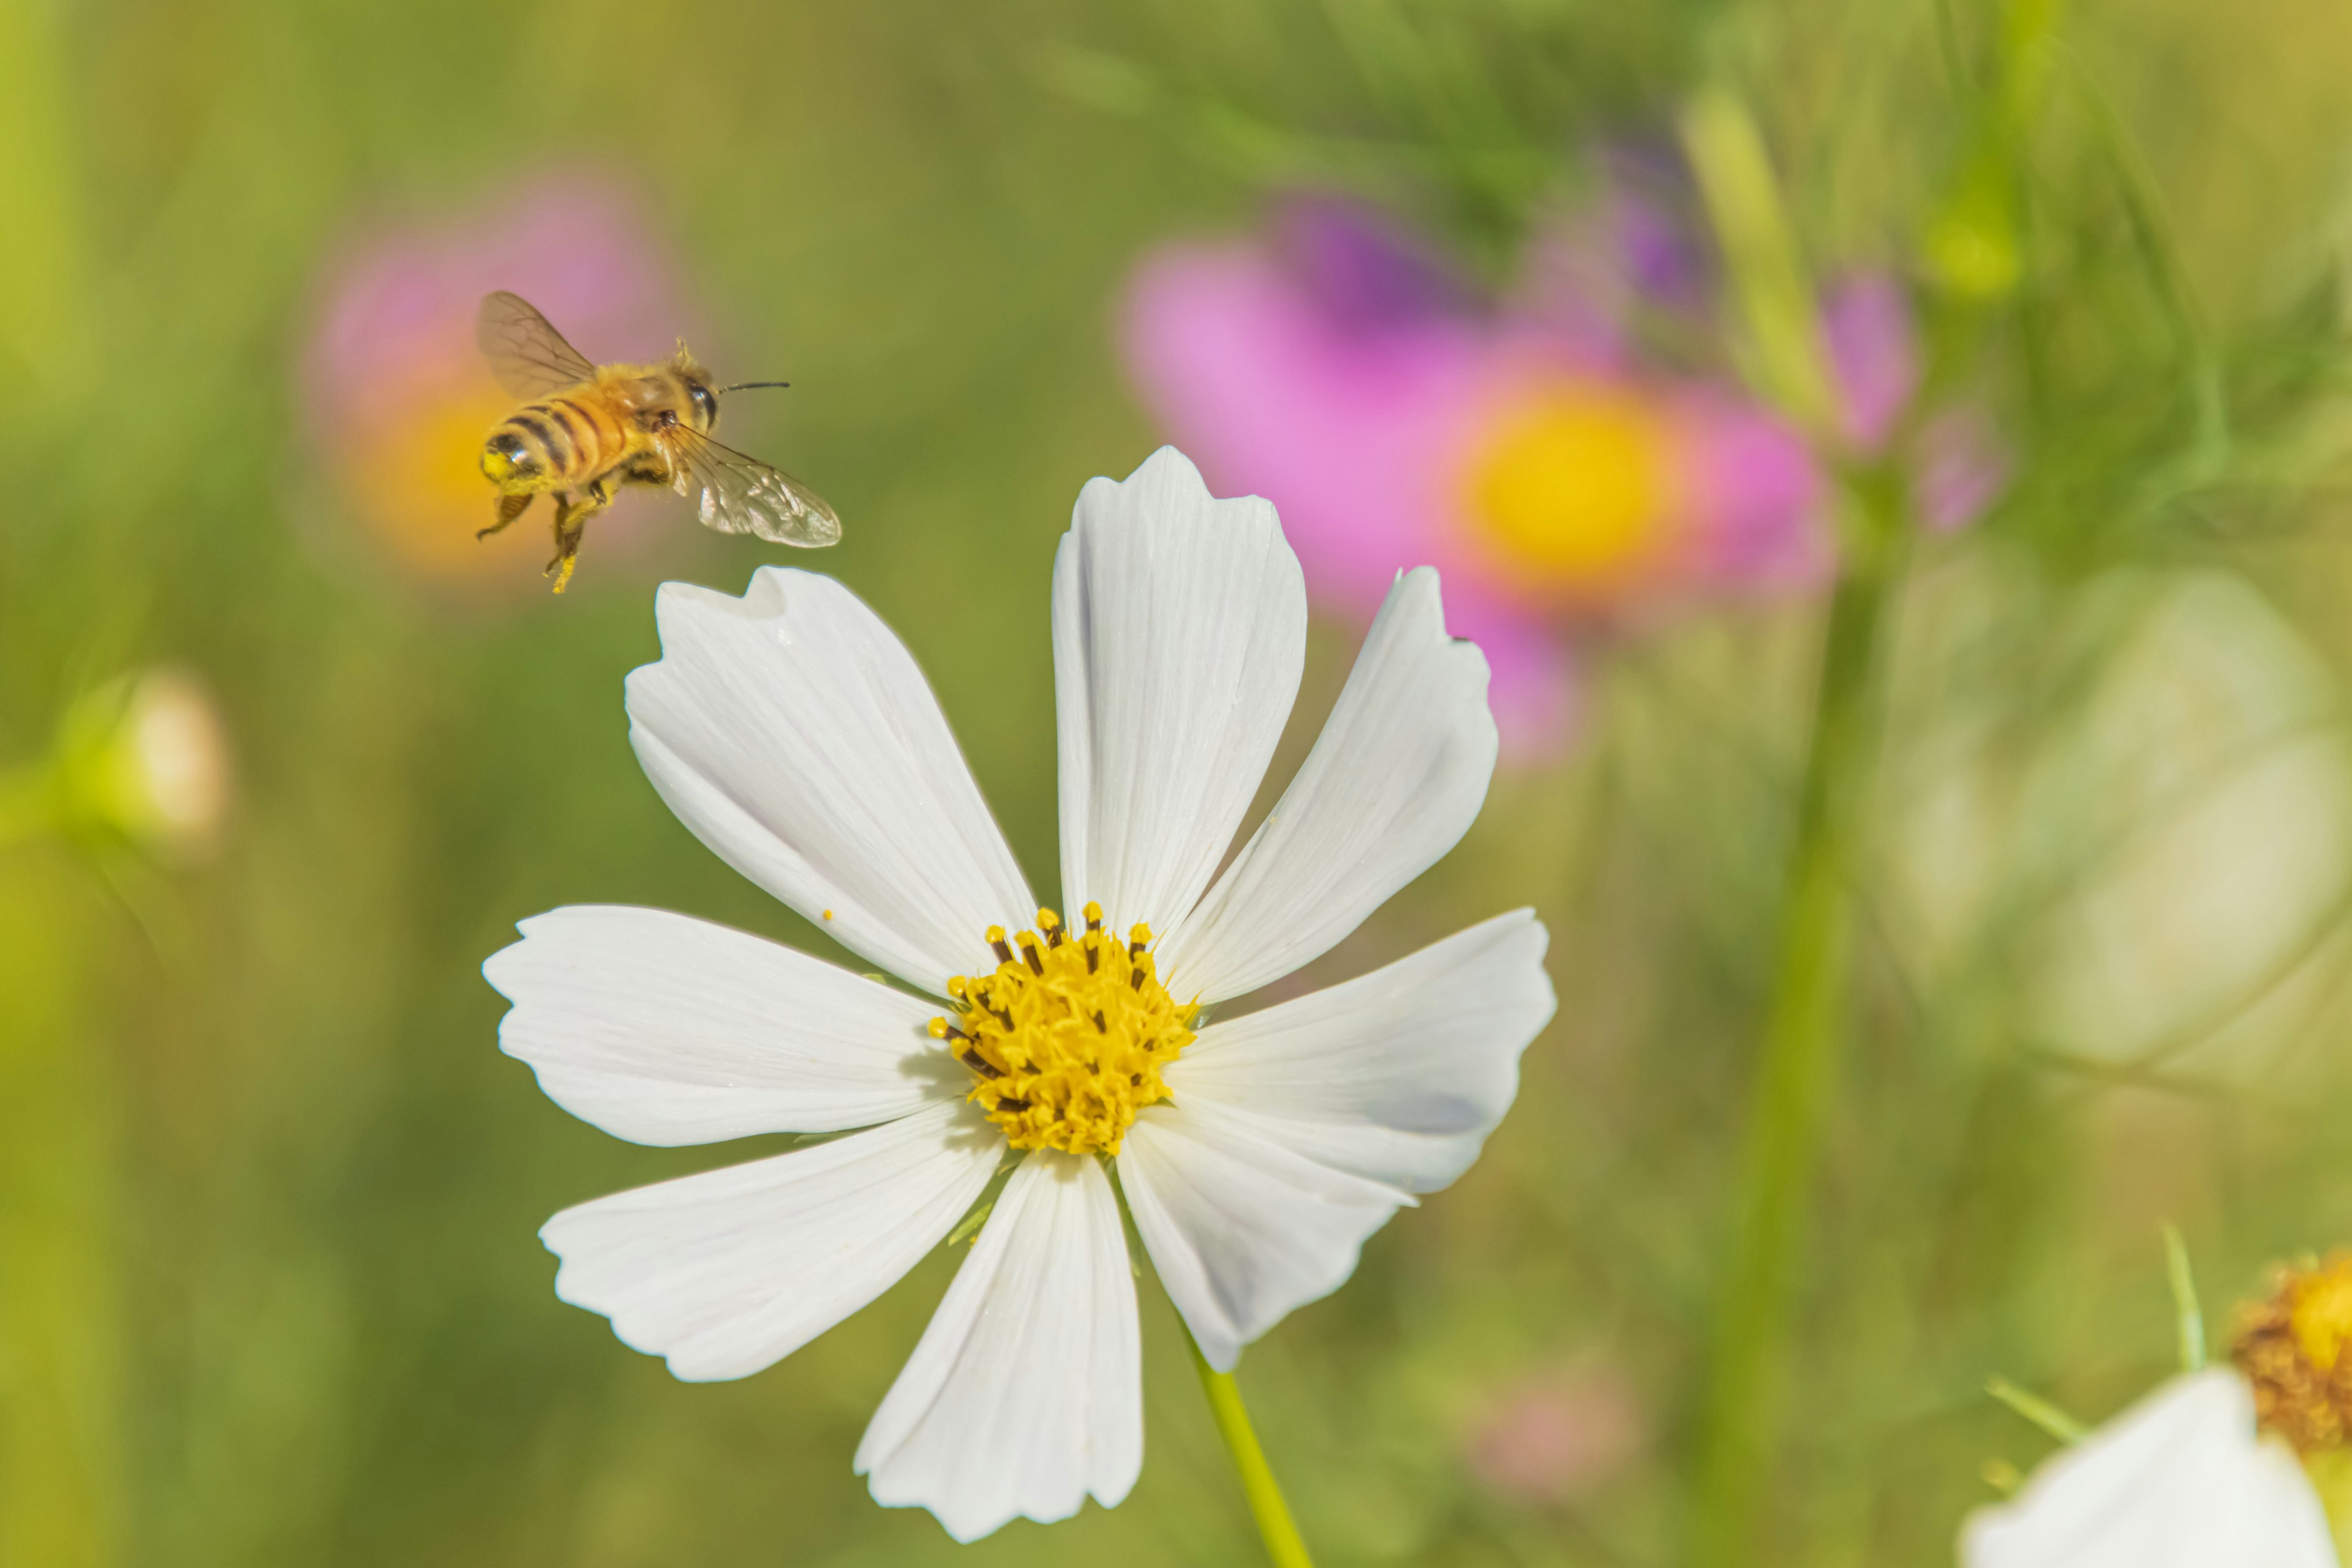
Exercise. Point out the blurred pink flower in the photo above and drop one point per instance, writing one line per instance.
(1566, 485)
(1556, 485)
(399, 396)
(1557, 1437)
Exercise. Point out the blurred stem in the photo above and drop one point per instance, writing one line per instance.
(44, 319)
(60, 1437)
(2189, 1316)
(2038, 1410)
(1765, 270)
(1798, 1059)
(1285, 1548)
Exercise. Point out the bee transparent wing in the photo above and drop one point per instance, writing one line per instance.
(744, 494)
(529, 357)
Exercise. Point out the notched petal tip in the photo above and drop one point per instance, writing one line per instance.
(807, 751)
(763, 594)
(1180, 632)
(1168, 482)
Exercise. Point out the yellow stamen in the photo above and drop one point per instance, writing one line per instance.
(2322, 1314)
(2291, 1347)
(1067, 1038)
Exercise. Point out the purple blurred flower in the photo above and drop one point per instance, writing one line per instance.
(401, 398)
(1560, 485)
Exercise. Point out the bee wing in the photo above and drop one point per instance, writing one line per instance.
(743, 495)
(529, 357)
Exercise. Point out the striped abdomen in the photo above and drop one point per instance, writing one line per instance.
(552, 444)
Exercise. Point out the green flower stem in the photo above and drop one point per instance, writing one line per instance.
(1797, 1067)
(1285, 1548)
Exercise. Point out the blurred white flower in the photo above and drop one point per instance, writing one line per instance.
(172, 773)
(143, 759)
(793, 734)
(2179, 1480)
(2167, 847)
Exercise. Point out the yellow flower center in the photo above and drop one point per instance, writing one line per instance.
(2291, 1348)
(1067, 1038)
(1576, 485)
(2321, 1314)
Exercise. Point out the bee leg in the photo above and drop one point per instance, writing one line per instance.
(569, 528)
(509, 508)
(570, 524)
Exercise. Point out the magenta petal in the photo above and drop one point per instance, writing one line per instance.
(1759, 500)
(1866, 325)
(1350, 435)
(1534, 689)
(1346, 434)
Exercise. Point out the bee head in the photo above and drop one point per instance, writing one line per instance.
(701, 409)
(702, 401)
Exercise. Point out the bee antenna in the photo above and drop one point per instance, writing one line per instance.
(748, 386)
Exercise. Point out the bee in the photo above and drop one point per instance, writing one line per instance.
(586, 429)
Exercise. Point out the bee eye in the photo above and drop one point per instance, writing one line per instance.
(703, 401)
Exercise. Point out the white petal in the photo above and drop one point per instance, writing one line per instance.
(732, 1270)
(2181, 1480)
(1394, 781)
(792, 731)
(1026, 1392)
(1179, 630)
(1240, 1229)
(1397, 1076)
(663, 1029)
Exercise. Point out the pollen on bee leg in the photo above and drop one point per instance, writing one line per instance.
(1064, 1048)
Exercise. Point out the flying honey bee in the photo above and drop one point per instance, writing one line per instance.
(586, 429)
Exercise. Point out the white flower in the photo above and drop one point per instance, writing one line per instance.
(2179, 1480)
(793, 734)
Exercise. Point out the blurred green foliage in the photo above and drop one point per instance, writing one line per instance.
(268, 1286)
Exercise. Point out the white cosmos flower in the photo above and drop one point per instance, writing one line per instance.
(2179, 1480)
(793, 734)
